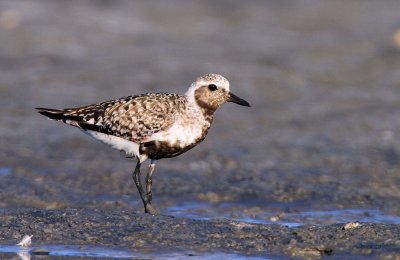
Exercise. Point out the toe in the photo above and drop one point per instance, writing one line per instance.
(151, 210)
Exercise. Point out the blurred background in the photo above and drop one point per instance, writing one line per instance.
(323, 79)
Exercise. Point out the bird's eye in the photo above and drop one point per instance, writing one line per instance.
(212, 87)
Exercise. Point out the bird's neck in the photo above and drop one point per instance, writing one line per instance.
(198, 111)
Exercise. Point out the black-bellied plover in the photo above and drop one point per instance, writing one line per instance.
(152, 126)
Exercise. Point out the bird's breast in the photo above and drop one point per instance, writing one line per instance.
(179, 138)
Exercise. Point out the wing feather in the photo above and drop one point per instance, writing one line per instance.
(134, 118)
(138, 117)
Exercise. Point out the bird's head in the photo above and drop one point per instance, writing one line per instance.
(211, 91)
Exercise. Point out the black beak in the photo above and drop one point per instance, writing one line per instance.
(235, 99)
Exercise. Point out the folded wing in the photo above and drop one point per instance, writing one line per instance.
(134, 118)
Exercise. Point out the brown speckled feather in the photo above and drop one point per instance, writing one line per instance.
(134, 118)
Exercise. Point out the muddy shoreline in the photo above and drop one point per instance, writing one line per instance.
(146, 234)
(318, 148)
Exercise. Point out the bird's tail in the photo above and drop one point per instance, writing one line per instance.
(59, 115)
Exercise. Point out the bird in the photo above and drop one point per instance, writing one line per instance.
(152, 126)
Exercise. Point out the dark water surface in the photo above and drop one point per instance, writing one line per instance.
(100, 252)
(244, 213)
(318, 148)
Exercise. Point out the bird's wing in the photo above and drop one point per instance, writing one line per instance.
(134, 118)
(141, 116)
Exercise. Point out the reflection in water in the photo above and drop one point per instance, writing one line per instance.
(203, 210)
(101, 252)
(65, 250)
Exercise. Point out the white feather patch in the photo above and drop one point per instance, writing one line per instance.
(179, 133)
(130, 148)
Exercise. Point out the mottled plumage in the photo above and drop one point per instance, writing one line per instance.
(154, 125)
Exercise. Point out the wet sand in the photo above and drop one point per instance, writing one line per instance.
(320, 138)
(147, 235)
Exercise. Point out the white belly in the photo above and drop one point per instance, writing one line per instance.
(130, 148)
(182, 135)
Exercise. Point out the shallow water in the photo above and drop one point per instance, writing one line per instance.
(240, 212)
(4, 171)
(68, 250)
(102, 252)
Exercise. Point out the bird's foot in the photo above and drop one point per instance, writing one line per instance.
(150, 209)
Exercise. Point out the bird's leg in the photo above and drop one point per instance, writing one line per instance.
(138, 183)
(148, 208)
(149, 180)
